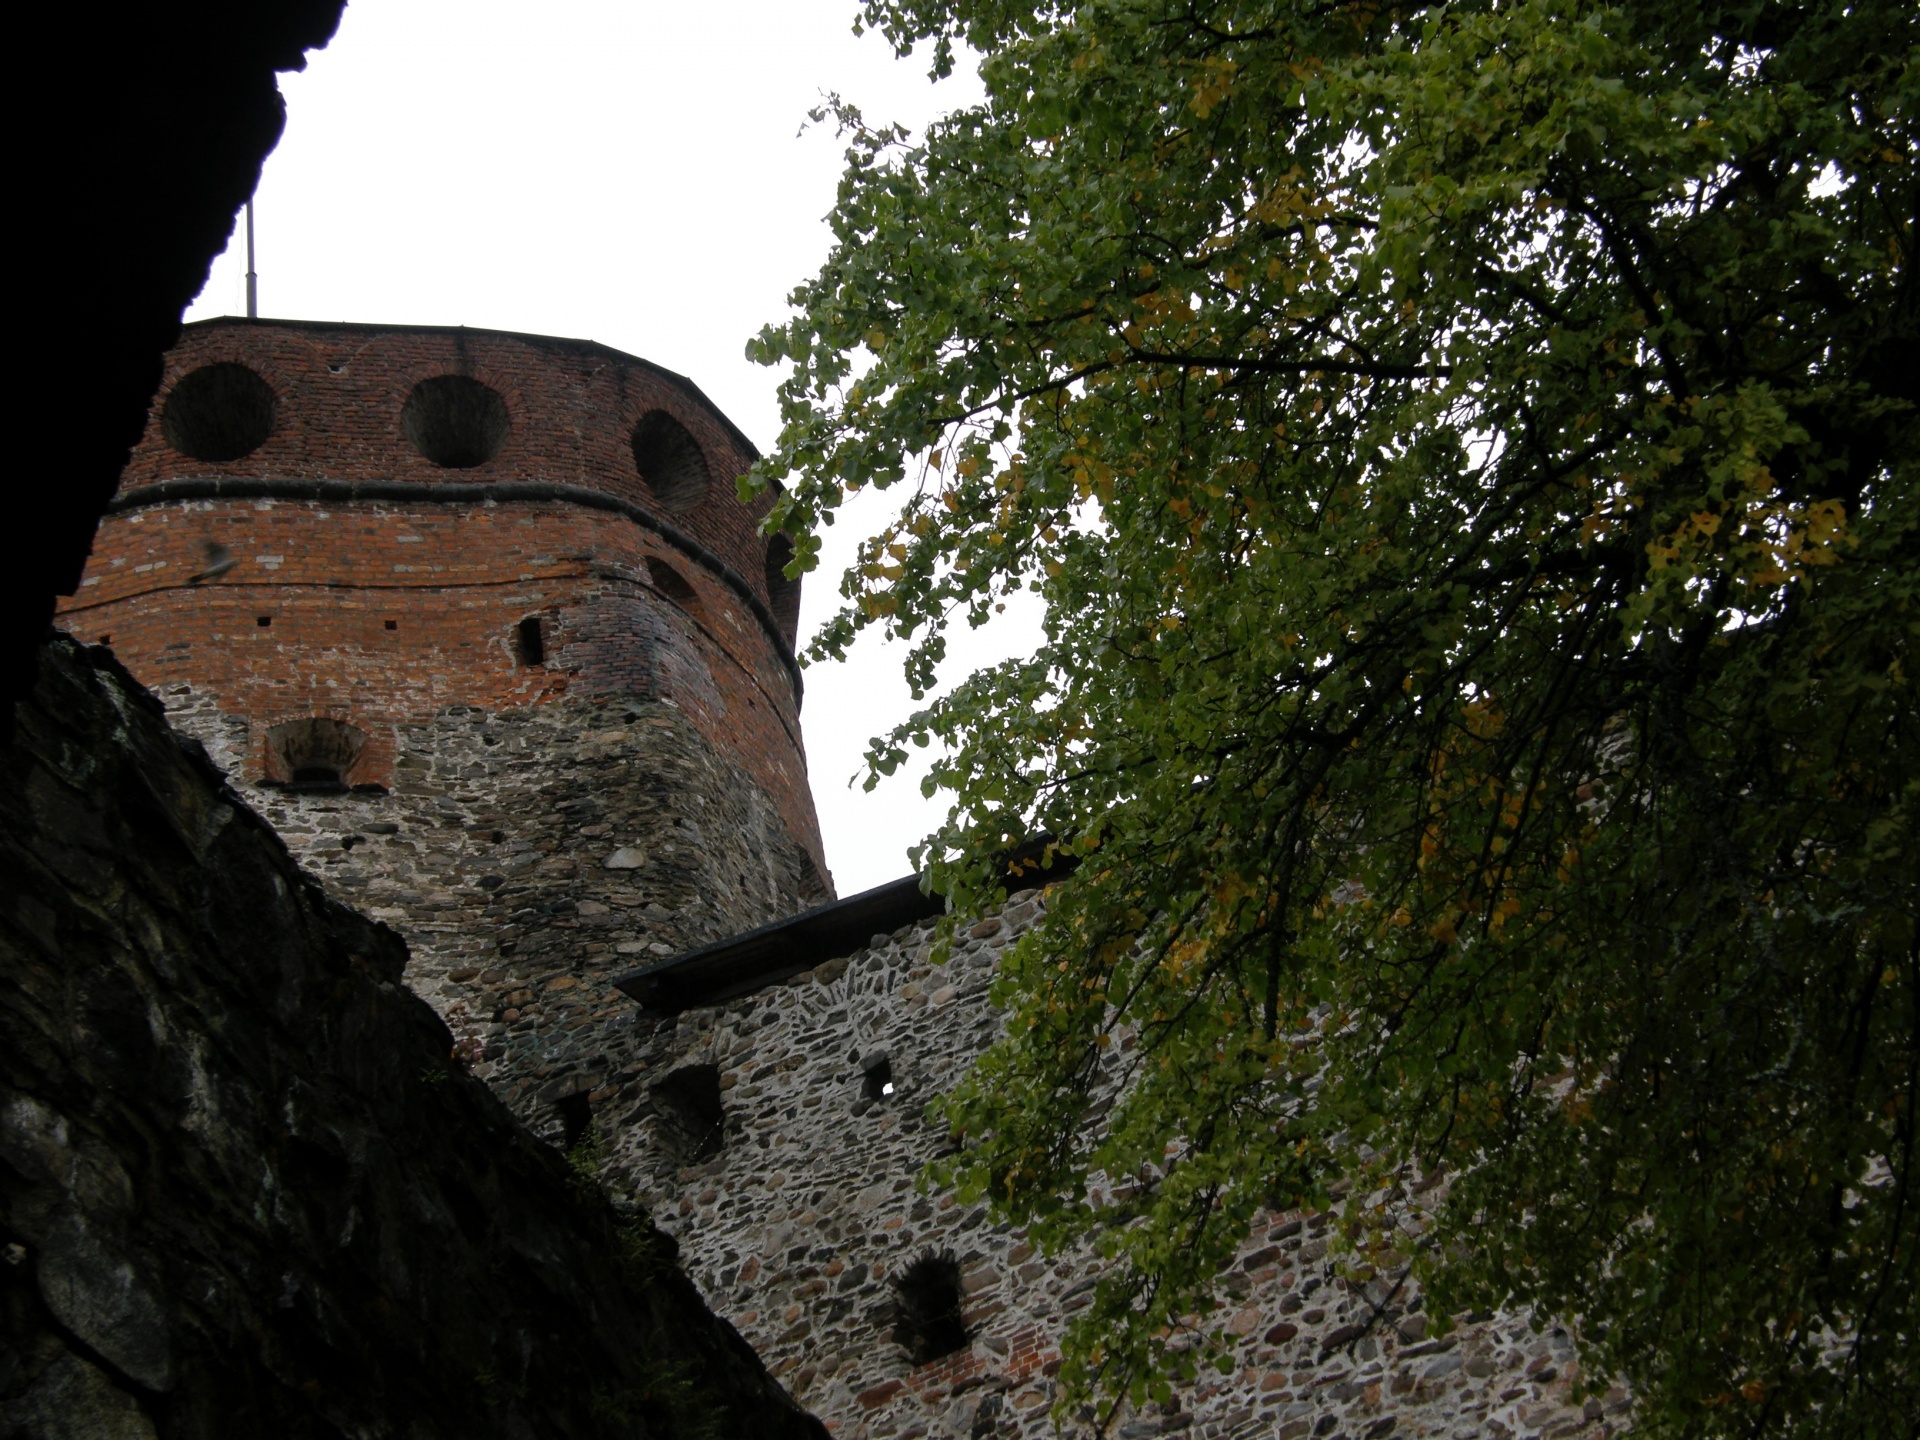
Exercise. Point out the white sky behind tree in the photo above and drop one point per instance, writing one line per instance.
(633, 173)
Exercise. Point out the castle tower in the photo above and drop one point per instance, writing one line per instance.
(479, 623)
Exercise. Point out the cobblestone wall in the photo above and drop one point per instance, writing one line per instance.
(530, 856)
(796, 1227)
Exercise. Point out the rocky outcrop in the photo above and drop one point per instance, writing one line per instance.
(246, 1187)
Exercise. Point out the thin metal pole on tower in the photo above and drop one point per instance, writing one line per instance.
(253, 280)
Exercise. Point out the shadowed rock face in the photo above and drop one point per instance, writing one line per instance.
(244, 1188)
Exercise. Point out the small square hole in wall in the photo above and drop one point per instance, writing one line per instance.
(926, 1308)
(576, 1118)
(393, 624)
(693, 1119)
(106, 639)
(877, 1075)
(263, 621)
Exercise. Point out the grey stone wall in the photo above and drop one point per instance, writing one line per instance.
(794, 1229)
(530, 856)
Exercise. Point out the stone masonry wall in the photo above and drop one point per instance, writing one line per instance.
(536, 827)
(796, 1227)
(529, 857)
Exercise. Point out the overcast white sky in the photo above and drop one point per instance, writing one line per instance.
(618, 170)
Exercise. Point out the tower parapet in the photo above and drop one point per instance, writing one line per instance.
(479, 622)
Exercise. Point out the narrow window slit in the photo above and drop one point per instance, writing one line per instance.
(877, 1072)
(530, 642)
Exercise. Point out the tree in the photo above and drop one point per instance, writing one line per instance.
(1468, 456)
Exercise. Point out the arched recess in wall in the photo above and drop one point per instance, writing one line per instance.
(675, 586)
(219, 412)
(670, 461)
(455, 421)
(783, 595)
(316, 753)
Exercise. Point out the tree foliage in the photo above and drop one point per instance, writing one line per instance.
(1468, 456)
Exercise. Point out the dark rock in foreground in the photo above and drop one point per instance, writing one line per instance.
(246, 1189)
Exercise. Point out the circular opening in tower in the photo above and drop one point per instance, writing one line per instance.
(455, 421)
(670, 461)
(218, 412)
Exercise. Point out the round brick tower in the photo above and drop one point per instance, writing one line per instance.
(479, 623)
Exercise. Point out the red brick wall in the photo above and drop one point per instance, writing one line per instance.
(573, 406)
(386, 612)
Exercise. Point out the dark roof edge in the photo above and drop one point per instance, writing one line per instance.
(778, 951)
(461, 492)
(753, 451)
(782, 949)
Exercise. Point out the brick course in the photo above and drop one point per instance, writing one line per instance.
(574, 404)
